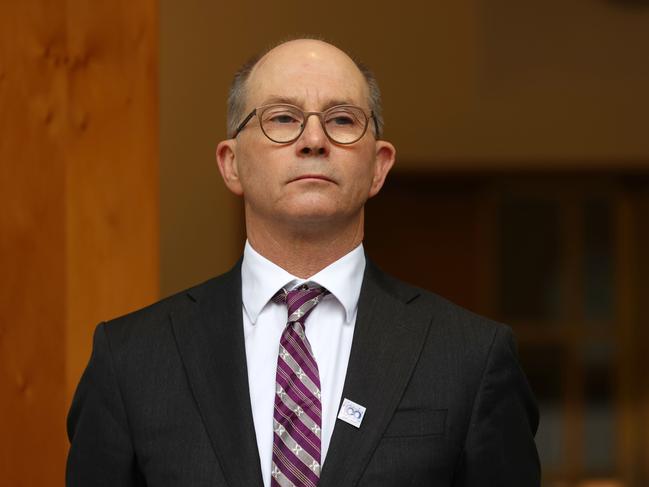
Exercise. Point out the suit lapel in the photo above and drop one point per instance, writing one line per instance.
(388, 338)
(209, 334)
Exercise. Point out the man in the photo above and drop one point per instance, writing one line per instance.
(304, 365)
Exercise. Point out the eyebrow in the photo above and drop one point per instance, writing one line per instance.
(298, 103)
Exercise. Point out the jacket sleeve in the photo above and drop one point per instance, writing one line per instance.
(499, 449)
(101, 451)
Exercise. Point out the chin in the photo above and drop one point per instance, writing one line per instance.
(316, 206)
(314, 216)
(320, 216)
(316, 210)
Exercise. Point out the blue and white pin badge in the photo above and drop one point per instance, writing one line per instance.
(351, 413)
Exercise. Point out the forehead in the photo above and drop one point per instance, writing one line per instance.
(312, 73)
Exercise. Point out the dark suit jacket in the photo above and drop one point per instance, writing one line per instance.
(164, 400)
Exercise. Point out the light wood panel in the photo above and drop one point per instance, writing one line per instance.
(79, 214)
(32, 244)
(112, 167)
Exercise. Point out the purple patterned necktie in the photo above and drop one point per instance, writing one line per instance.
(297, 420)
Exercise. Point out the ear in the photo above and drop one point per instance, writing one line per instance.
(227, 161)
(385, 157)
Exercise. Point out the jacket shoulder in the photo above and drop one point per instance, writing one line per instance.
(149, 320)
(448, 318)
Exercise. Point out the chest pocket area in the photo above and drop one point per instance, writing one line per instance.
(413, 423)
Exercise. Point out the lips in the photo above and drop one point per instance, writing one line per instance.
(312, 176)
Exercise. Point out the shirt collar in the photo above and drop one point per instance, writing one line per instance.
(261, 279)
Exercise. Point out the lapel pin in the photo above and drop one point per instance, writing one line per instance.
(351, 413)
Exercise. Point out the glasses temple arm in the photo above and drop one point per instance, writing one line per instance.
(243, 124)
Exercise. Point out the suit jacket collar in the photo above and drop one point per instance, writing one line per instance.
(209, 334)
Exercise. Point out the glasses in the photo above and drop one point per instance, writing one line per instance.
(343, 124)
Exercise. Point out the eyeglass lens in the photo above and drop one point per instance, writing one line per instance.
(284, 123)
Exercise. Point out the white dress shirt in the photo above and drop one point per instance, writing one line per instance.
(329, 329)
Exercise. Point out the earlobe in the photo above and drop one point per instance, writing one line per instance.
(227, 162)
(385, 157)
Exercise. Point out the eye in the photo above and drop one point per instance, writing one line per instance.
(281, 116)
(343, 118)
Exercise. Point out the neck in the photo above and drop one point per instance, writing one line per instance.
(304, 251)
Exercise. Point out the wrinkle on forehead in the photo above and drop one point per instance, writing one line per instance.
(308, 70)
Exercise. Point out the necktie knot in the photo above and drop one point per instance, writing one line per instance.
(300, 301)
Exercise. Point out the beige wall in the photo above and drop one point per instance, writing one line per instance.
(474, 84)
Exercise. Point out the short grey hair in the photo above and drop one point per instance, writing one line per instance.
(237, 93)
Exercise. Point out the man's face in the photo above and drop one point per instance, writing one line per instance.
(312, 180)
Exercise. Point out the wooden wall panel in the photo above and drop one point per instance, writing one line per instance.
(112, 178)
(32, 244)
(79, 213)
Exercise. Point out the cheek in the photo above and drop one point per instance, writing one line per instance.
(256, 184)
(253, 174)
(362, 171)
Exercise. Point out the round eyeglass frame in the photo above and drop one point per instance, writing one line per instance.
(305, 117)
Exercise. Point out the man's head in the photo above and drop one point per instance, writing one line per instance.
(311, 182)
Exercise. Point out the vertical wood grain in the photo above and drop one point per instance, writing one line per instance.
(32, 243)
(79, 212)
(112, 167)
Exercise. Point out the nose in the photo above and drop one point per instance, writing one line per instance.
(313, 141)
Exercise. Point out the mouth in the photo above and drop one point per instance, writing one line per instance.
(312, 177)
